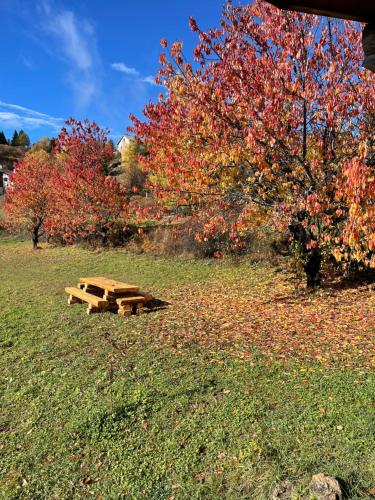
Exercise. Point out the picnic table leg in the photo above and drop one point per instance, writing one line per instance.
(125, 310)
(138, 308)
(92, 309)
(74, 300)
(111, 298)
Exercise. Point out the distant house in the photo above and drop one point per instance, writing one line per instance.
(123, 143)
(4, 180)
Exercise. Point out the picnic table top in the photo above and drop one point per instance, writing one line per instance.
(109, 284)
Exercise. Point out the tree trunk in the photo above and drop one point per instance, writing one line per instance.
(104, 235)
(312, 268)
(35, 240)
(312, 258)
(35, 236)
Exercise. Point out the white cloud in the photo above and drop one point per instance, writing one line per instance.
(149, 79)
(27, 62)
(25, 110)
(26, 117)
(123, 68)
(73, 39)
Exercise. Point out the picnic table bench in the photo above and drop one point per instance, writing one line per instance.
(104, 294)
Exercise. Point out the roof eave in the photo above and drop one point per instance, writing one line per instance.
(360, 10)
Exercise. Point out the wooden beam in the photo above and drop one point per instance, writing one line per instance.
(130, 300)
(93, 300)
(356, 10)
(368, 42)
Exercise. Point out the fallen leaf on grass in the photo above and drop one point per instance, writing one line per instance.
(333, 327)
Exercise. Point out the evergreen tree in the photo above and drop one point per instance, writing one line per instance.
(3, 139)
(14, 141)
(23, 139)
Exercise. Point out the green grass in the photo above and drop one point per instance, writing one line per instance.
(101, 406)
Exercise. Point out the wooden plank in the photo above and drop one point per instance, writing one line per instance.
(130, 300)
(95, 301)
(88, 288)
(112, 297)
(94, 290)
(109, 284)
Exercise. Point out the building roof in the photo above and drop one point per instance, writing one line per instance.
(357, 10)
(129, 137)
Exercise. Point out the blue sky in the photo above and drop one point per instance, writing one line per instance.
(87, 58)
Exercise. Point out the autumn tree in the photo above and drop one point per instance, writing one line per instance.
(83, 144)
(66, 193)
(86, 205)
(45, 143)
(133, 175)
(358, 193)
(26, 203)
(84, 201)
(265, 127)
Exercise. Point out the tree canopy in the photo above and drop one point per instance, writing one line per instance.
(45, 143)
(23, 139)
(66, 193)
(27, 199)
(269, 125)
(20, 139)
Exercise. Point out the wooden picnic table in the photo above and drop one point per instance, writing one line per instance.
(108, 285)
(103, 294)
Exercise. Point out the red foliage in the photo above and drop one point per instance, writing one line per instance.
(359, 192)
(84, 201)
(84, 145)
(27, 200)
(266, 128)
(67, 193)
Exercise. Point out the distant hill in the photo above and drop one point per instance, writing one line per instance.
(11, 154)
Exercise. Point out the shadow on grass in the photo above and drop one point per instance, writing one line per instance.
(347, 491)
(330, 287)
(155, 305)
(360, 279)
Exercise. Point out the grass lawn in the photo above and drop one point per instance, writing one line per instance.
(240, 382)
